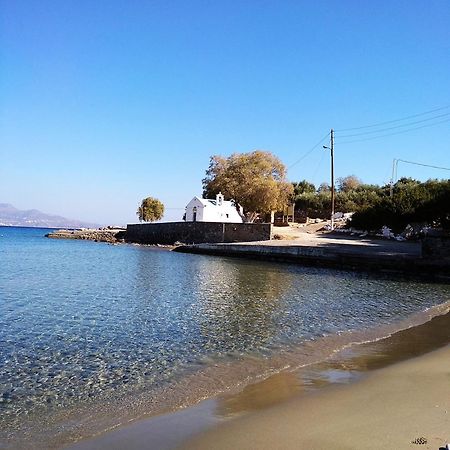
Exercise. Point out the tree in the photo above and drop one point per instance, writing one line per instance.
(351, 196)
(324, 187)
(303, 187)
(314, 204)
(349, 183)
(151, 209)
(255, 180)
(413, 202)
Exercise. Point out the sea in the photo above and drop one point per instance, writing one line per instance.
(94, 335)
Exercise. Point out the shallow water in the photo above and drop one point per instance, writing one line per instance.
(82, 321)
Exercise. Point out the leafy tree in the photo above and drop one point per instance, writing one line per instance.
(324, 187)
(255, 180)
(349, 183)
(303, 187)
(412, 202)
(436, 211)
(151, 209)
(352, 195)
(314, 204)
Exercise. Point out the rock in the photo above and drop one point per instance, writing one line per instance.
(97, 235)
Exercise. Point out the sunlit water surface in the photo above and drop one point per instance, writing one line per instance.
(79, 320)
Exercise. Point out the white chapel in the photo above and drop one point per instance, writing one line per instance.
(218, 210)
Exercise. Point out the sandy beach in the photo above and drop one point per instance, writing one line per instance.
(389, 409)
(385, 394)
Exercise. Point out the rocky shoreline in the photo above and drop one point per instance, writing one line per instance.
(109, 235)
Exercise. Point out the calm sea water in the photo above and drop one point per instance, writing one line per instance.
(82, 320)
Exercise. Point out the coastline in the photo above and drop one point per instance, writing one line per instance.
(109, 235)
(235, 419)
(328, 250)
(398, 407)
(240, 384)
(325, 249)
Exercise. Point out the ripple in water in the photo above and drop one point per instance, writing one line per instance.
(80, 321)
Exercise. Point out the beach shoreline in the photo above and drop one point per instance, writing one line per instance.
(272, 332)
(397, 407)
(232, 420)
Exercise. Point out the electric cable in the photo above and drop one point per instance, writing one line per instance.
(421, 164)
(309, 151)
(393, 134)
(395, 120)
(396, 126)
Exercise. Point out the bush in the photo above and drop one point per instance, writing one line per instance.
(412, 202)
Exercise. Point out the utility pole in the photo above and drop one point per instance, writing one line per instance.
(391, 189)
(395, 171)
(331, 148)
(332, 177)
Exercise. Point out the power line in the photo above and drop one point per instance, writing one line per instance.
(392, 134)
(396, 126)
(424, 165)
(309, 151)
(318, 165)
(395, 171)
(395, 120)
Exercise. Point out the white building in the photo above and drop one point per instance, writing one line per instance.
(218, 210)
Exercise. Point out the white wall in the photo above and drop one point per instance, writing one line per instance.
(195, 202)
(212, 213)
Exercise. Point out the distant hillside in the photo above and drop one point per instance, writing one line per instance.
(13, 217)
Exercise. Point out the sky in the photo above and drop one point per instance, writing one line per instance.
(104, 103)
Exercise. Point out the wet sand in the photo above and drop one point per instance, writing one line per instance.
(382, 394)
(389, 409)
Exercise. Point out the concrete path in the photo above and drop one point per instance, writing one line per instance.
(343, 243)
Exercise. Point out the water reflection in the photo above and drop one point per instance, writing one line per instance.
(238, 303)
(214, 304)
(346, 366)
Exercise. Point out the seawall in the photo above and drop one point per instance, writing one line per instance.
(436, 247)
(405, 264)
(168, 233)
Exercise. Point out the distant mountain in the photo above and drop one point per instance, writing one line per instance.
(13, 217)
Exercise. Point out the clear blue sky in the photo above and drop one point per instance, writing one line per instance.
(105, 102)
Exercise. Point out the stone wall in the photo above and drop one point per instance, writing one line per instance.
(197, 232)
(436, 247)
